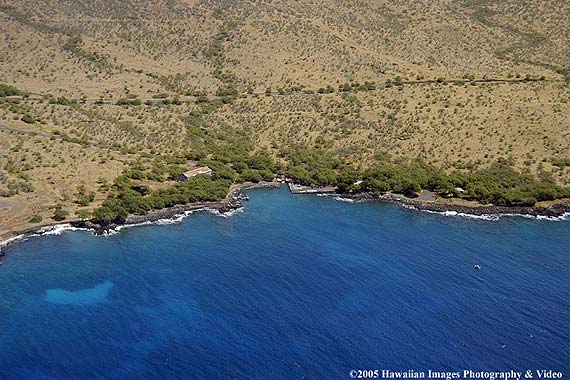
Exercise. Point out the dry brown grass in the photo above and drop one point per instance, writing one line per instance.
(274, 43)
(144, 48)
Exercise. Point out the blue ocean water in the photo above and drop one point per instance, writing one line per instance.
(293, 287)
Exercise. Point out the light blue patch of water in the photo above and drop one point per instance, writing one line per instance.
(81, 297)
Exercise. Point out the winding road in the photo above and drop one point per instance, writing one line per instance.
(24, 131)
(194, 99)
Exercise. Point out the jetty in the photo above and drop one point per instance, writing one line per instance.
(301, 189)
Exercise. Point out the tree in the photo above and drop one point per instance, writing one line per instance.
(29, 119)
(6, 90)
(60, 213)
(35, 219)
(251, 175)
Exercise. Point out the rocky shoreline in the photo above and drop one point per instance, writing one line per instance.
(555, 210)
(235, 198)
(22, 234)
(233, 201)
(149, 217)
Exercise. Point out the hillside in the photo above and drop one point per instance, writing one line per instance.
(459, 84)
(100, 47)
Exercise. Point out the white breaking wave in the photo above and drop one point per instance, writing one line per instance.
(59, 229)
(493, 217)
(225, 214)
(115, 231)
(48, 230)
(160, 222)
(489, 217)
(565, 216)
(347, 200)
(13, 239)
(176, 218)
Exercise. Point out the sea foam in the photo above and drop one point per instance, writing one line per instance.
(59, 229)
(492, 217)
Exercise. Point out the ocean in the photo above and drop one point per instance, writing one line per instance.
(290, 287)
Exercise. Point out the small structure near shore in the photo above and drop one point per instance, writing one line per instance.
(300, 189)
(426, 195)
(194, 172)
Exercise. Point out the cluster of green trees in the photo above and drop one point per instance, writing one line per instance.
(229, 151)
(163, 101)
(399, 177)
(60, 213)
(229, 92)
(21, 183)
(499, 184)
(356, 86)
(7, 90)
(62, 100)
(229, 155)
(315, 167)
(14, 187)
(128, 197)
(326, 90)
(129, 102)
(29, 119)
(83, 197)
(232, 157)
(158, 172)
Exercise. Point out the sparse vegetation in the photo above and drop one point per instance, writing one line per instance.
(35, 219)
(84, 198)
(6, 90)
(317, 98)
(60, 213)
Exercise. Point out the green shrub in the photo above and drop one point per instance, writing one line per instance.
(7, 90)
(560, 162)
(60, 213)
(251, 175)
(35, 219)
(83, 214)
(129, 102)
(29, 119)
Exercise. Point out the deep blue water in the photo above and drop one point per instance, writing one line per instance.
(293, 287)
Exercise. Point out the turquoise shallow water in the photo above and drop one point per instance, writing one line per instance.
(293, 287)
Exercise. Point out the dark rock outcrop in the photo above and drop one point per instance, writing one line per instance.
(556, 210)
